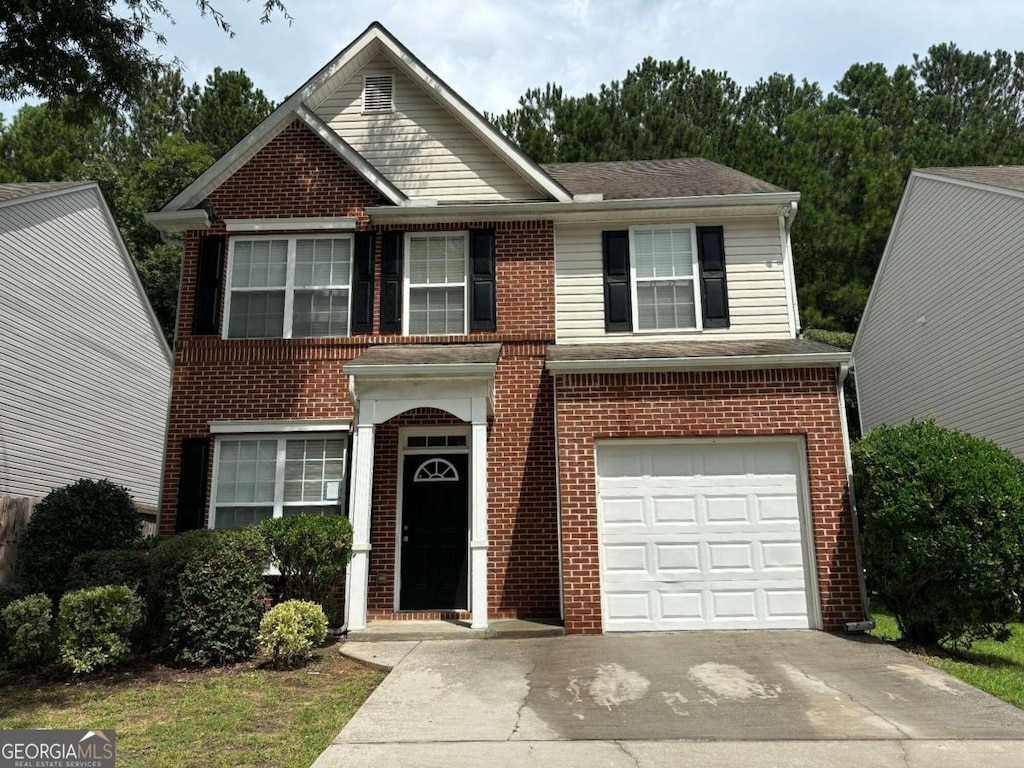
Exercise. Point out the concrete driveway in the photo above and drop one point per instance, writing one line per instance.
(705, 698)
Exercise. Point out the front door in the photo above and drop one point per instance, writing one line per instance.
(435, 532)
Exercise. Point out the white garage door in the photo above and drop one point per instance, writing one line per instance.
(701, 536)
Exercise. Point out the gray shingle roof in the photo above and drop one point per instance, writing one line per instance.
(687, 349)
(429, 354)
(639, 179)
(26, 188)
(1005, 176)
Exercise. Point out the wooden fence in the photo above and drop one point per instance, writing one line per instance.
(15, 512)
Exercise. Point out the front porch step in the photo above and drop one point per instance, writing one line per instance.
(499, 629)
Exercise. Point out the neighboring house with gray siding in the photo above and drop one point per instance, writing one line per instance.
(85, 372)
(942, 335)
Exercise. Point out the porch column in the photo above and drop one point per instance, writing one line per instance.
(478, 495)
(361, 496)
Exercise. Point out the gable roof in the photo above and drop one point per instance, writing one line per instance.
(373, 41)
(645, 179)
(1009, 177)
(19, 190)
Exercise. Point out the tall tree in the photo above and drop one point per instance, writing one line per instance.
(92, 51)
(224, 110)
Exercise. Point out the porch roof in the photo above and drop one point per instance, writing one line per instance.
(425, 360)
(695, 354)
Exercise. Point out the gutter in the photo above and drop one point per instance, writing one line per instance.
(867, 623)
(639, 365)
(545, 209)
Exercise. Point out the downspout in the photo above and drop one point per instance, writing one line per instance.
(789, 216)
(558, 502)
(867, 623)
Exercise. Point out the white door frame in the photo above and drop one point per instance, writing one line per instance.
(404, 433)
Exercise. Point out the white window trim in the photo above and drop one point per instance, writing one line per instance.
(289, 286)
(362, 97)
(282, 437)
(407, 285)
(694, 276)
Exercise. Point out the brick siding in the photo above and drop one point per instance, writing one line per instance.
(297, 175)
(708, 404)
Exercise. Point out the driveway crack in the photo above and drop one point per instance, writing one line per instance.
(849, 696)
(526, 698)
(627, 753)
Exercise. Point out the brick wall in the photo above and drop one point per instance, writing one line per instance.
(522, 516)
(719, 403)
(297, 175)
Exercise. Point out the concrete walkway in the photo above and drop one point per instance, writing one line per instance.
(737, 698)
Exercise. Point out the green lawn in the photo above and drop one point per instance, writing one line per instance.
(994, 667)
(236, 716)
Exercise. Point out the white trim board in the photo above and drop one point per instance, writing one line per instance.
(243, 427)
(308, 224)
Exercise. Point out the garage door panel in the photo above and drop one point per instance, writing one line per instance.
(718, 549)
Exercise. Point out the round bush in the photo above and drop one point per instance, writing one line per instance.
(311, 552)
(87, 515)
(291, 629)
(942, 517)
(95, 627)
(206, 594)
(27, 629)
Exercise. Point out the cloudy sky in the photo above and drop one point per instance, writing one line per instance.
(491, 52)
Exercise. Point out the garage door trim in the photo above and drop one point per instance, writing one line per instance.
(803, 500)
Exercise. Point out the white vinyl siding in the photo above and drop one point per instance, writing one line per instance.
(943, 337)
(276, 476)
(85, 375)
(436, 284)
(420, 146)
(289, 287)
(758, 302)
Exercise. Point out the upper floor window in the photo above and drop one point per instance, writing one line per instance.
(436, 284)
(664, 278)
(276, 476)
(289, 287)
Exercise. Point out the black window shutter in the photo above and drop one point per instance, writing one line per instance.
(391, 282)
(483, 273)
(618, 314)
(206, 312)
(195, 453)
(714, 294)
(362, 284)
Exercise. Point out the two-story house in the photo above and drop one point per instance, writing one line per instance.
(573, 391)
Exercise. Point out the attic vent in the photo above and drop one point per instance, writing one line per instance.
(378, 93)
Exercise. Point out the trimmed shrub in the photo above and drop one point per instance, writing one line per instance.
(942, 515)
(207, 593)
(840, 339)
(129, 567)
(83, 516)
(311, 552)
(94, 627)
(291, 629)
(27, 626)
